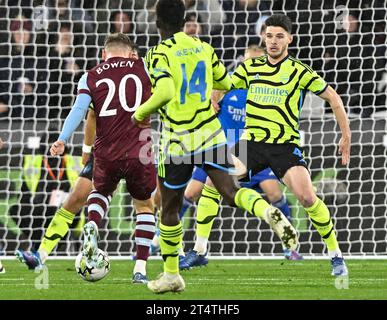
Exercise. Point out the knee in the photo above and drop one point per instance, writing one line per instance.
(274, 196)
(170, 211)
(229, 197)
(169, 216)
(307, 199)
(75, 202)
(191, 196)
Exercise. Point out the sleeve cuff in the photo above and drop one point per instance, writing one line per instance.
(83, 91)
(321, 91)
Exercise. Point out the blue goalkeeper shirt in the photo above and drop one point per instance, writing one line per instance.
(232, 114)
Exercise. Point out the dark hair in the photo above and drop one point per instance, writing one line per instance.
(170, 13)
(192, 17)
(65, 25)
(116, 12)
(119, 39)
(113, 15)
(279, 20)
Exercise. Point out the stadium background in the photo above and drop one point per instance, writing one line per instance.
(345, 41)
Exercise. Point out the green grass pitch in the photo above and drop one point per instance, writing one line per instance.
(221, 279)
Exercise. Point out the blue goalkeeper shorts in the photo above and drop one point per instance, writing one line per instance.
(200, 175)
(255, 180)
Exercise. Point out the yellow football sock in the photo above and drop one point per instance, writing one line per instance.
(57, 229)
(208, 208)
(170, 241)
(251, 201)
(321, 220)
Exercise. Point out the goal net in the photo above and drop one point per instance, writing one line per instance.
(47, 45)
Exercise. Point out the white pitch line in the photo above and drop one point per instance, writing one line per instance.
(279, 257)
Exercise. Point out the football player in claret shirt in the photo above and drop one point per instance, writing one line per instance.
(184, 71)
(116, 88)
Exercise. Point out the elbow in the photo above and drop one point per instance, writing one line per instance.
(222, 85)
(167, 90)
(169, 95)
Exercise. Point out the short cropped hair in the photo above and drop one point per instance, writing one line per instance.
(255, 48)
(118, 40)
(171, 13)
(279, 20)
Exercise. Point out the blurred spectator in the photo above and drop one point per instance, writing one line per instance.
(121, 21)
(381, 66)
(192, 25)
(122, 5)
(146, 25)
(64, 73)
(23, 77)
(357, 64)
(146, 18)
(69, 11)
(253, 50)
(210, 12)
(82, 25)
(246, 16)
(244, 20)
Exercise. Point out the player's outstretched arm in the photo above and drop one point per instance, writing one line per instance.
(163, 93)
(89, 137)
(72, 122)
(334, 100)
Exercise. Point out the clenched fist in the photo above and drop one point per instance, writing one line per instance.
(57, 148)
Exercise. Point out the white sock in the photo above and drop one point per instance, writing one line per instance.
(335, 253)
(181, 251)
(43, 255)
(201, 245)
(94, 224)
(1, 265)
(140, 267)
(156, 241)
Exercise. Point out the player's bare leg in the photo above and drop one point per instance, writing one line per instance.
(193, 190)
(145, 230)
(191, 194)
(297, 179)
(207, 211)
(252, 201)
(59, 225)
